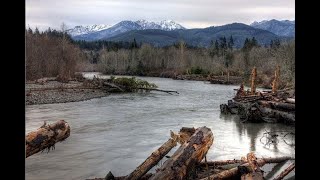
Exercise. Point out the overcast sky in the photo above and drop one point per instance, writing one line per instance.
(188, 13)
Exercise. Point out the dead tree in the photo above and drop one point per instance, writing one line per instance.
(275, 82)
(46, 137)
(253, 80)
(183, 161)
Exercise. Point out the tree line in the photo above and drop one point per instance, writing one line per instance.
(53, 53)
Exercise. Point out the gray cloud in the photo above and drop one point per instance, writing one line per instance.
(189, 13)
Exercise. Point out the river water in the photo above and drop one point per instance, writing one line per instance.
(118, 132)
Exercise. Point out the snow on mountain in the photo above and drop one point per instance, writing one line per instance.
(169, 25)
(80, 30)
(82, 33)
(280, 28)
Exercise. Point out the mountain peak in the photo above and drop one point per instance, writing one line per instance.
(280, 28)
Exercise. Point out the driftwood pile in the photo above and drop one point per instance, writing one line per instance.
(266, 106)
(187, 162)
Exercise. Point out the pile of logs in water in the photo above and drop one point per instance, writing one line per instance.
(188, 161)
(266, 106)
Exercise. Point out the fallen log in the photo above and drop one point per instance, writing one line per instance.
(183, 161)
(285, 172)
(221, 163)
(251, 172)
(156, 156)
(152, 89)
(291, 100)
(234, 171)
(277, 105)
(278, 115)
(113, 86)
(46, 137)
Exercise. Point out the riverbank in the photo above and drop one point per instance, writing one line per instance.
(51, 92)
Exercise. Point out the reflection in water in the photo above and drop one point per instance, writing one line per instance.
(256, 131)
(116, 133)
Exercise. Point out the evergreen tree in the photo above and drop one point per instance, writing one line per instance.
(30, 31)
(216, 46)
(230, 43)
(36, 31)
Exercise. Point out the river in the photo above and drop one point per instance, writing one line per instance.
(118, 132)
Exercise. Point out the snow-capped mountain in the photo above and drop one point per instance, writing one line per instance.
(80, 30)
(166, 25)
(125, 26)
(280, 28)
(148, 25)
(169, 25)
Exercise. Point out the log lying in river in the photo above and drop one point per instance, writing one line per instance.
(285, 172)
(156, 156)
(46, 137)
(278, 105)
(235, 171)
(187, 156)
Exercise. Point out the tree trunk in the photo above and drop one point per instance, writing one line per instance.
(285, 172)
(251, 172)
(278, 105)
(156, 156)
(278, 115)
(291, 100)
(253, 80)
(221, 163)
(234, 171)
(46, 137)
(187, 156)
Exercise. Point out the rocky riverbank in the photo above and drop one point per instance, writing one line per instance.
(57, 92)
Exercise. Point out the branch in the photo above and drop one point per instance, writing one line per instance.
(166, 91)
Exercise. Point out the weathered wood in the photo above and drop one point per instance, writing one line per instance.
(253, 171)
(279, 115)
(291, 100)
(152, 160)
(285, 172)
(113, 86)
(253, 80)
(183, 161)
(277, 105)
(46, 137)
(184, 134)
(221, 162)
(166, 91)
(234, 171)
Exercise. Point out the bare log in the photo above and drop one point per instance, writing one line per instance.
(166, 91)
(187, 156)
(113, 86)
(279, 115)
(253, 171)
(285, 172)
(46, 137)
(222, 162)
(234, 171)
(278, 105)
(156, 156)
(291, 100)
